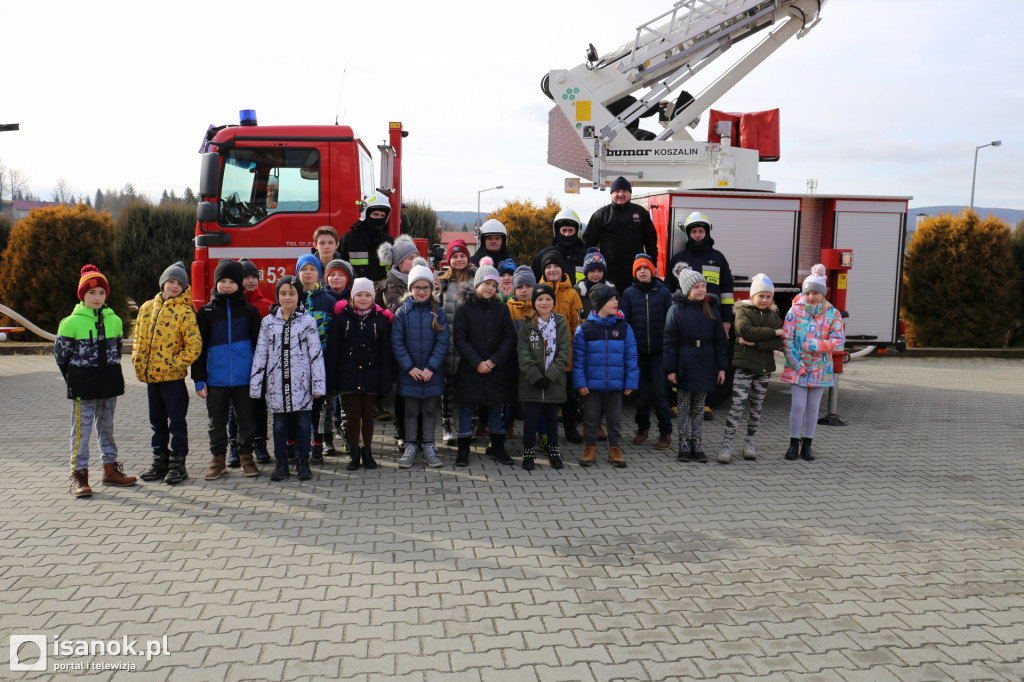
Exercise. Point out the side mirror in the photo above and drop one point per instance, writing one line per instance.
(207, 212)
(209, 174)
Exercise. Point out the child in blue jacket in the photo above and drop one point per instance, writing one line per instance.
(604, 366)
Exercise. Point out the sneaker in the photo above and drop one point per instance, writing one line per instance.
(316, 453)
(448, 438)
(709, 415)
(725, 454)
(748, 449)
(430, 454)
(259, 449)
(409, 458)
(233, 460)
(542, 443)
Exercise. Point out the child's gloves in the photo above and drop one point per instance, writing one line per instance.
(542, 383)
(200, 385)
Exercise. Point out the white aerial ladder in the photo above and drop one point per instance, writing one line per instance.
(594, 133)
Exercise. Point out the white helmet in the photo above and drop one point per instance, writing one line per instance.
(377, 202)
(491, 226)
(696, 219)
(566, 216)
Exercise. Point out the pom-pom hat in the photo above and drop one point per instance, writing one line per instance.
(90, 278)
(486, 271)
(816, 281)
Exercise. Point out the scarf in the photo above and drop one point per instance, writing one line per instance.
(548, 331)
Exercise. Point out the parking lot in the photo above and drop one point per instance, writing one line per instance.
(897, 555)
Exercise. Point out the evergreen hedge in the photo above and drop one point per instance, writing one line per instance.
(149, 238)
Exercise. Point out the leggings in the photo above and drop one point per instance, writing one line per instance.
(536, 414)
(690, 420)
(413, 408)
(804, 410)
(359, 410)
(746, 386)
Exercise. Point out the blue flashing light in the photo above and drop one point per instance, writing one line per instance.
(247, 117)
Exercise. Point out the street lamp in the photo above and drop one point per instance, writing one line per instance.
(974, 175)
(478, 201)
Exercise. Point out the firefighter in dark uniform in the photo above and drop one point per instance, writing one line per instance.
(621, 230)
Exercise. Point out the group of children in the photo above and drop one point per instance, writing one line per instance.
(489, 338)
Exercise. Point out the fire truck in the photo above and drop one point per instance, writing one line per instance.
(265, 189)
(594, 132)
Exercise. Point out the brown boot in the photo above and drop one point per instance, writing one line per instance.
(113, 474)
(615, 457)
(80, 483)
(589, 455)
(216, 468)
(664, 441)
(641, 437)
(248, 465)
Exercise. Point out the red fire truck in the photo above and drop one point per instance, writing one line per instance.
(265, 189)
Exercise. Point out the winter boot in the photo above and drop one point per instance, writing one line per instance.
(158, 469)
(316, 449)
(354, 458)
(329, 450)
(302, 468)
(462, 459)
(805, 451)
(216, 468)
(113, 474)
(684, 451)
(368, 461)
(641, 437)
(80, 483)
(572, 434)
(664, 442)
(280, 469)
(259, 449)
(409, 458)
(709, 415)
(176, 472)
(249, 469)
(498, 449)
(615, 457)
(554, 457)
(697, 451)
(430, 454)
(233, 460)
(749, 452)
(528, 459)
(725, 453)
(589, 455)
(448, 436)
(794, 448)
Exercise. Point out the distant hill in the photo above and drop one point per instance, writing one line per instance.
(1010, 215)
(457, 219)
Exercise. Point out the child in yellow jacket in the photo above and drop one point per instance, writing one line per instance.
(167, 342)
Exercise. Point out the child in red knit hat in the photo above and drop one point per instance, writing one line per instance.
(88, 353)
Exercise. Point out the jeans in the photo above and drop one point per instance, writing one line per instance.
(298, 423)
(466, 420)
(652, 382)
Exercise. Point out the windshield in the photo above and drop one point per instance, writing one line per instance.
(260, 182)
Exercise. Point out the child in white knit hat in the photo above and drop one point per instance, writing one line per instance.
(758, 335)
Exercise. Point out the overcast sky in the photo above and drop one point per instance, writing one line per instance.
(882, 97)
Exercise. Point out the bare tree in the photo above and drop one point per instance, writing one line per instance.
(62, 192)
(17, 182)
(3, 179)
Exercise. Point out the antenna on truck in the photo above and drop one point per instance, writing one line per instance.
(341, 91)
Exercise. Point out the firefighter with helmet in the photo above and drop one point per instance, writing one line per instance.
(701, 255)
(359, 245)
(566, 226)
(492, 241)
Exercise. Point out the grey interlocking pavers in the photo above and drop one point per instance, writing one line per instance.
(899, 554)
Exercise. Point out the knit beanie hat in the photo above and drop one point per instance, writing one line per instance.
(761, 283)
(310, 259)
(642, 260)
(344, 266)
(456, 246)
(176, 271)
(601, 294)
(249, 268)
(486, 271)
(816, 281)
(364, 284)
(523, 275)
(90, 278)
(420, 271)
(594, 261)
(542, 289)
(507, 267)
(622, 183)
(228, 269)
(393, 254)
(552, 256)
(687, 277)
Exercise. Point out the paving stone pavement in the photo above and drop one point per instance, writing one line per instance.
(898, 555)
